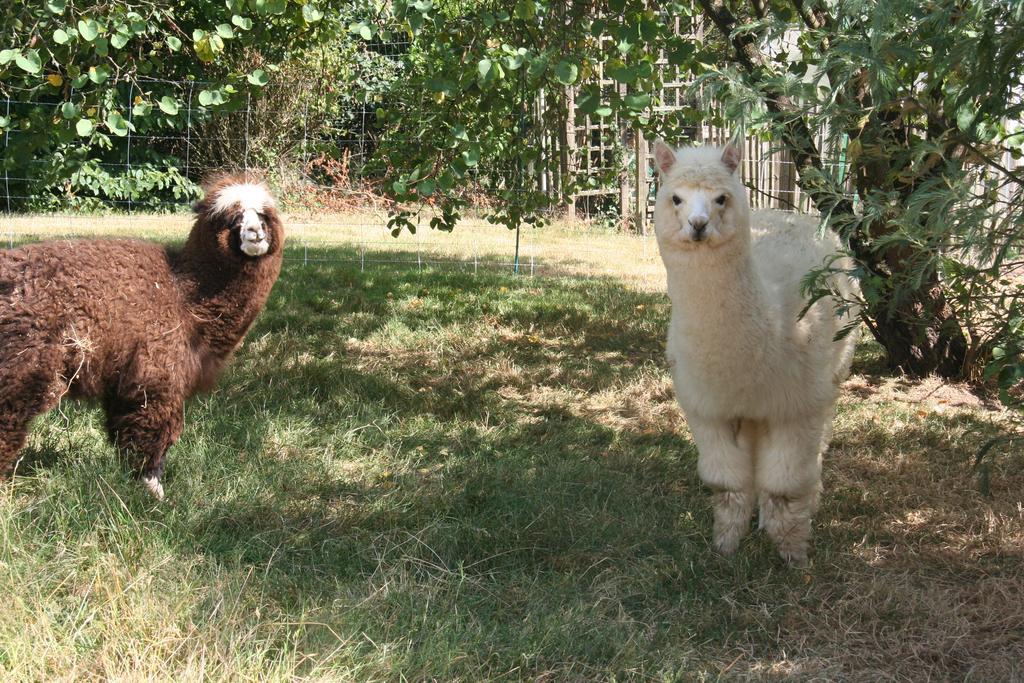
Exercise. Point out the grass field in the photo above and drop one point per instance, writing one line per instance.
(425, 474)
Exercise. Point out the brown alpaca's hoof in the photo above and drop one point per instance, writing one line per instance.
(154, 487)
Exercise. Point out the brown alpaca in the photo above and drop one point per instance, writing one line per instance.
(134, 325)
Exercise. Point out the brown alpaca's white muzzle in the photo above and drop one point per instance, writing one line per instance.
(253, 235)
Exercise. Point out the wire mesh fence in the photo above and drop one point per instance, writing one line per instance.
(320, 151)
(315, 148)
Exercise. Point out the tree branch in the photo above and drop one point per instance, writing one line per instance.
(795, 132)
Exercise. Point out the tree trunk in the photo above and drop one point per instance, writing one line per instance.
(920, 334)
(911, 317)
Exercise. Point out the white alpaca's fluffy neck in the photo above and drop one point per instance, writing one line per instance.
(720, 309)
(714, 290)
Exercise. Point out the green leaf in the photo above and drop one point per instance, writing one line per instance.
(426, 188)
(118, 40)
(257, 77)
(525, 9)
(209, 98)
(311, 14)
(168, 105)
(174, 43)
(637, 102)
(513, 62)
(566, 72)
(84, 127)
(965, 117)
(101, 46)
(7, 56)
(29, 62)
(244, 23)
(620, 72)
(484, 69)
(225, 31)
(682, 52)
(61, 37)
(471, 156)
(99, 74)
(365, 32)
(265, 7)
(590, 104)
(88, 29)
(68, 110)
(441, 85)
(207, 45)
(117, 125)
(56, 6)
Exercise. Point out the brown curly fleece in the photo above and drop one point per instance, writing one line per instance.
(134, 325)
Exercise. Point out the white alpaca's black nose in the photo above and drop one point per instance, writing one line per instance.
(698, 225)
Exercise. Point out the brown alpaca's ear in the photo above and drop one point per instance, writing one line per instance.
(664, 157)
(731, 157)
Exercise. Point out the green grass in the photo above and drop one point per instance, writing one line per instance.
(433, 475)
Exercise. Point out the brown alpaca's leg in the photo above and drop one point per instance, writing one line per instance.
(144, 430)
(12, 438)
(789, 483)
(26, 390)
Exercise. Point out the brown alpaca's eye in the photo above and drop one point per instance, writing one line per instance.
(676, 200)
(720, 200)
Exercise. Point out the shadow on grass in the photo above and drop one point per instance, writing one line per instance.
(414, 458)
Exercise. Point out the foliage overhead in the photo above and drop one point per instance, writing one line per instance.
(919, 108)
(81, 79)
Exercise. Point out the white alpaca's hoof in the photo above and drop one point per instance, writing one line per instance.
(796, 558)
(727, 544)
(732, 510)
(155, 488)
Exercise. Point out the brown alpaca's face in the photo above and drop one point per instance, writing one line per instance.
(247, 220)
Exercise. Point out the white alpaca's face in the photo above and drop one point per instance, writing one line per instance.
(693, 216)
(701, 203)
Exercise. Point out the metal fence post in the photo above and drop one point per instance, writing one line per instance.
(7, 178)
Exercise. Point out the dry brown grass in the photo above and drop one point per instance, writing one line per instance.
(917, 576)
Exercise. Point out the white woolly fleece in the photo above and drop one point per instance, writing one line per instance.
(756, 380)
(244, 196)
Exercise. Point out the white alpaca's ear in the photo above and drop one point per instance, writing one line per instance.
(732, 156)
(664, 157)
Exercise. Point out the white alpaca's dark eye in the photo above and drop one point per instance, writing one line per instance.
(720, 200)
(676, 200)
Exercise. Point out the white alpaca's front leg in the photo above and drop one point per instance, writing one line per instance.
(788, 479)
(728, 468)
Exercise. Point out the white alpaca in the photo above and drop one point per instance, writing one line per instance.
(757, 382)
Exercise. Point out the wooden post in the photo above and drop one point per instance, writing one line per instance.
(787, 181)
(642, 186)
(569, 148)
